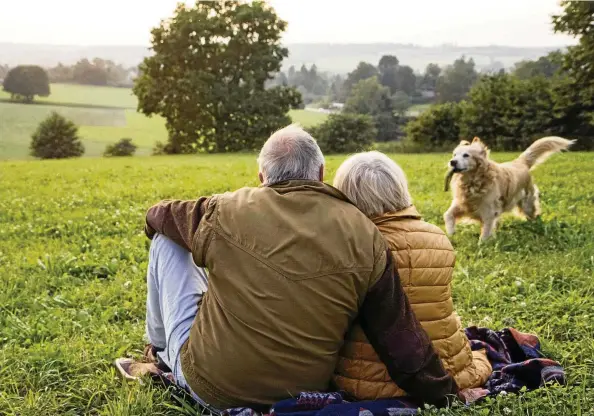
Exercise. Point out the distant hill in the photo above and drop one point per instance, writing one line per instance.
(339, 58)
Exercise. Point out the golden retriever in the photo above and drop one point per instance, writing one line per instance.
(483, 189)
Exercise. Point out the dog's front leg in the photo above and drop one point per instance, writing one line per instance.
(488, 227)
(450, 218)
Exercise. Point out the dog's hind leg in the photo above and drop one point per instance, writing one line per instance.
(530, 204)
(450, 217)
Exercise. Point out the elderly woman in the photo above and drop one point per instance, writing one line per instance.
(425, 260)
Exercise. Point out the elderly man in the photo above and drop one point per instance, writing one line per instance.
(290, 264)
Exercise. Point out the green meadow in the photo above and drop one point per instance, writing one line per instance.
(73, 258)
(104, 115)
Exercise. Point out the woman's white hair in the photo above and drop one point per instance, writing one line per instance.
(290, 153)
(374, 183)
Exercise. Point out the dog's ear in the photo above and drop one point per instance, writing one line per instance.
(481, 144)
(464, 143)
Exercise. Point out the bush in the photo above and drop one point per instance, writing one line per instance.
(124, 147)
(26, 81)
(160, 149)
(56, 138)
(388, 128)
(345, 133)
(391, 127)
(509, 112)
(437, 128)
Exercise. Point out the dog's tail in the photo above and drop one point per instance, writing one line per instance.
(541, 149)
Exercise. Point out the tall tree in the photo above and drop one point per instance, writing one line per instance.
(387, 62)
(208, 72)
(26, 81)
(401, 102)
(576, 93)
(369, 97)
(406, 80)
(89, 73)
(388, 72)
(545, 66)
(364, 70)
(456, 80)
(430, 77)
(335, 91)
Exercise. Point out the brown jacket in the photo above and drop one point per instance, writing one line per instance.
(425, 261)
(290, 267)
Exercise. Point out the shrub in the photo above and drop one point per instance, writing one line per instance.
(56, 138)
(388, 128)
(26, 81)
(437, 128)
(124, 147)
(391, 127)
(345, 133)
(508, 112)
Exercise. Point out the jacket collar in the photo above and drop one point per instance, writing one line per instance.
(410, 213)
(296, 185)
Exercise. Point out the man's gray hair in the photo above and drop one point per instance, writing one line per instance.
(290, 153)
(374, 183)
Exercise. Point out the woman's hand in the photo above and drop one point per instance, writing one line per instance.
(469, 396)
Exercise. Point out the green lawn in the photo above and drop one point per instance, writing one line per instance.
(98, 127)
(417, 109)
(87, 95)
(73, 259)
(307, 118)
(104, 115)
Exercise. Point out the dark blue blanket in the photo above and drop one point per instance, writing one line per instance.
(515, 356)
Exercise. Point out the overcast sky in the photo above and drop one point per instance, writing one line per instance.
(422, 22)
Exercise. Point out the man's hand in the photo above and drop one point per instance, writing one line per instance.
(469, 396)
(401, 343)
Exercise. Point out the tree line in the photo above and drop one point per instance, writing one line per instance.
(101, 72)
(97, 71)
(548, 96)
(215, 76)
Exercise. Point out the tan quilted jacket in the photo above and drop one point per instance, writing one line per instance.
(425, 260)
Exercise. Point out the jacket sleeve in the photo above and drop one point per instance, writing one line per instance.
(401, 343)
(176, 219)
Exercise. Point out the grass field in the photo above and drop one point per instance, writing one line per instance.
(104, 115)
(73, 257)
(87, 95)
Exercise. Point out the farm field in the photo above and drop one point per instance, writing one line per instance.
(104, 114)
(73, 258)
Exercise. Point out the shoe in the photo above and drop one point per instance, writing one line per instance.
(134, 371)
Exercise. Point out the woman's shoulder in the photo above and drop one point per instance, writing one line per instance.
(415, 234)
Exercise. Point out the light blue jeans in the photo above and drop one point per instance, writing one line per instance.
(175, 289)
